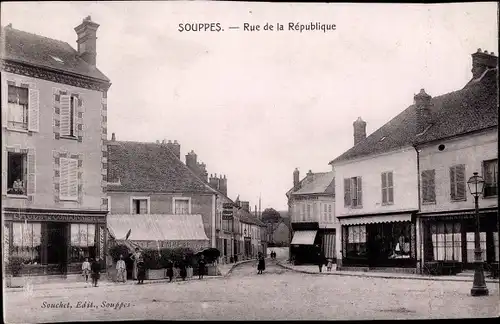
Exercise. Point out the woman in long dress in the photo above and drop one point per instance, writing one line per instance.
(136, 257)
(170, 270)
(262, 264)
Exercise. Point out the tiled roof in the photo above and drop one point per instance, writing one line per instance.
(142, 167)
(319, 183)
(248, 218)
(472, 108)
(23, 47)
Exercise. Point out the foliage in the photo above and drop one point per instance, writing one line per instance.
(15, 265)
(117, 250)
(271, 215)
(151, 259)
(278, 244)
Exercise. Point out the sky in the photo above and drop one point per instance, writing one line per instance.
(256, 105)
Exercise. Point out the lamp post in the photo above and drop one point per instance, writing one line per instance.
(245, 242)
(476, 185)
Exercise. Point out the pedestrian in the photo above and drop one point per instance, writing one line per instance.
(86, 269)
(141, 271)
(329, 265)
(170, 270)
(320, 261)
(201, 267)
(262, 264)
(135, 257)
(96, 271)
(183, 270)
(121, 270)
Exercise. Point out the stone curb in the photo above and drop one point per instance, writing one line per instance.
(237, 264)
(367, 275)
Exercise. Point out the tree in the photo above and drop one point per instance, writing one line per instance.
(272, 219)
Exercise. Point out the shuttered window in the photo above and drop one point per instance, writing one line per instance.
(347, 192)
(428, 186)
(457, 182)
(387, 188)
(181, 206)
(490, 178)
(68, 184)
(353, 192)
(68, 115)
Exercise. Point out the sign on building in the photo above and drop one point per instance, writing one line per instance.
(227, 211)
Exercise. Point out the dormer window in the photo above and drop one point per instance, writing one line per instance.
(55, 58)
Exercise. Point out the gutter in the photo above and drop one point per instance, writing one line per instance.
(419, 204)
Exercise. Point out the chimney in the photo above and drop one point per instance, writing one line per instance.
(223, 185)
(86, 40)
(423, 105)
(310, 173)
(214, 182)
(191, 160)
(245, 205)
(202, 167)
(482, 61)
(296, 179)
(113, 137)
(157, 142)
(175, 148)
(359, 130)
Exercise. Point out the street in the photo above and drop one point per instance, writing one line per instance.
(277, 294)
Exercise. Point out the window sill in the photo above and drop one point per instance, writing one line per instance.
(18, 130)
(428, 203)
(458, 200)
(388, 204)
(69, 199)
(355, 207)
(74, 138)
(17, 196)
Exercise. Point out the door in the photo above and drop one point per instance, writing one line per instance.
(57, 245)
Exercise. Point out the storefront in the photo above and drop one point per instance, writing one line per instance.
(305, 243)
(51, 241)
(449, 237)
(379, 241)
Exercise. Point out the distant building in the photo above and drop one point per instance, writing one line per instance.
(54, 165)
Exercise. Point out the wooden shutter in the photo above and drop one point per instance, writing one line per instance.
(452, 183)
(347, 192)
(73, 178)
(384, 188)
(425, 186)
(143, 206)
(68, 184)
(432, 185)
(460, 181)
(74, 111)
(360, 190)
(5, 171)
(31, 172)
(65, 107)
(390, 187)
(63, 178)
(33, 110)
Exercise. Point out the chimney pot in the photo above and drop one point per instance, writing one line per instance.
(163, 141)
(157, 142)
(423, 110)
(169, 142)
(481, 61)
(113, 137)
(9, 25)
(86, 40)
(175, 142)
(296, 180)
(479, 50)
(359, 130)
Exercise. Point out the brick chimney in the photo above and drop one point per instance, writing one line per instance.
(202, 167)
(296, 179)
(175, 148)
(113, 137)
(191, 163)
(359, 130)
(482, 61)
(223, 185)
(423, 106)
(245, 205)
(87, 40)
(214, 182)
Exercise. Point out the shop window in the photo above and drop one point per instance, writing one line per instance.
(17, 174)
(18, 107)
(26, 241)
(356, 241)
(446, 242)
(400, 247)
(428, 186)
(82, 242)
(471, 246)
(490, 178)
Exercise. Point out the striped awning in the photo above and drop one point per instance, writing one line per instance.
(329, 245)
(157, 227)
(304, 237)
(373, 219)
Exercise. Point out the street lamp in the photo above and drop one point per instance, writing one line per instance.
(476, 185)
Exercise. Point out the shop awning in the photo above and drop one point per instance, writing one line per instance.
(156, 227)
(457, 214)
(304, 237)
(373, 219)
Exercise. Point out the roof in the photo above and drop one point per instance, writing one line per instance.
(318, 183)
(151, 227)
(32, 49)
(247, 218)
(472, 108)
(150, 167)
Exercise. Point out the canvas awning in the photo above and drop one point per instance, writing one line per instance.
(373, 219)
(304, 237)
(157, 227)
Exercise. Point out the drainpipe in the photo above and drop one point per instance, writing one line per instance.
(420, 247)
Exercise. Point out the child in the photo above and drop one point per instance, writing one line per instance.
(86, 269)
(329, 265)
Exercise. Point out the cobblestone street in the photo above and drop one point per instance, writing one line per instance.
(277, 294)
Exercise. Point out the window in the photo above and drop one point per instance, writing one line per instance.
(446, 242)
(471, 246)
(457, 182)
(82, 242)
(428, 186)
(356, 240)
(309, 215)
(18, 107)
(68, 113)
(352, 192)
(18, 171)
(26, 241)
(490, 178)
(140, 206)
(387, 188)
(68, 183)
(325, 212)
(182, 206)
(303, 212)
(330, 215)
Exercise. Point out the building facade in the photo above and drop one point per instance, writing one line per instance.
(312, 216)
(54, 164)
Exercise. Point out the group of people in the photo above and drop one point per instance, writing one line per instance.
(273, 255)
(92, 269)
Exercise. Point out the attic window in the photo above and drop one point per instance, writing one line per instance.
(57, 59)
(383, 138)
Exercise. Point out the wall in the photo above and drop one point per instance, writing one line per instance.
(46, 146)
(470, 150)
(402, 163)
(317, 211)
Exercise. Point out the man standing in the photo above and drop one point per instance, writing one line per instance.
(201, 267)
(320, 260)
(96, 271)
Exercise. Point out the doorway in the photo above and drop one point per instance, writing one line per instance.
(57, 245)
